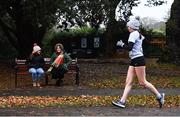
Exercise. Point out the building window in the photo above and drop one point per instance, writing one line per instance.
(96, 42)
(73, 44)
(74, 51)
(89, 51)
(83, 42)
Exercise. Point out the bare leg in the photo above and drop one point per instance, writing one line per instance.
(129, 80)
(141, 74)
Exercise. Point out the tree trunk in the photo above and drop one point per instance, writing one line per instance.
(173, 34)
(27, 35)
(110, 44)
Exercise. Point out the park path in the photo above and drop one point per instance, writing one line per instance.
(90, 111)
(77, 91)
(84, 111)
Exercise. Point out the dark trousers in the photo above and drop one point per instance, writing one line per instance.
(58, 73)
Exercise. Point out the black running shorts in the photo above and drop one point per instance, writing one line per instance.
(139, 61)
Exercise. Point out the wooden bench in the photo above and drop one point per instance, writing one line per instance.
(22, 69)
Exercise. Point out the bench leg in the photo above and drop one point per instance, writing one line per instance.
(15, 79)
(77, 75)
(46, 79)
(77, 78)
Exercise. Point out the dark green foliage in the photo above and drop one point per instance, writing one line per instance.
(66, 38)
(24, 22)
(6, 49)
(152, 50)
(166, 56)
(172, 51)
(155, 2)
(27, 21)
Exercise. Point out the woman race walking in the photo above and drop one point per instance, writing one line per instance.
(137, 65)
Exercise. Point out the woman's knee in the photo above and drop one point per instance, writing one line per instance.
(32, 71)
(40, 71)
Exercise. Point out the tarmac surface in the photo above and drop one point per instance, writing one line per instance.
(76, 91)
(82, 110)
(89, 111)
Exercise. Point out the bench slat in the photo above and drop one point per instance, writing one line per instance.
(22, 73)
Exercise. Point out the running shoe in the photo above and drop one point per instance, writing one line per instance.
(161, 100)
(118, 104)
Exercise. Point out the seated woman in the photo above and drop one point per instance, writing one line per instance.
(59, 64)
(36, 63)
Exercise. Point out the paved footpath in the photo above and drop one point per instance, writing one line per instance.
(85, 111)
(76, 91)
(89, 111)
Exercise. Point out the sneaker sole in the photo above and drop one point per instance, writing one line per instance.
(115, 104)
(162, 103)
(163, 95)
